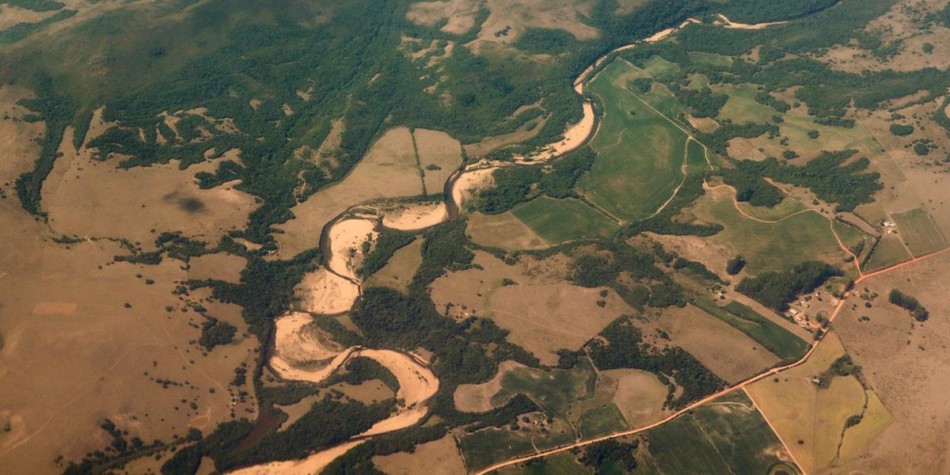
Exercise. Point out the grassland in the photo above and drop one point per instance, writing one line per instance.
(558, 221)
(543, 312)
(810, 419)
(907, 367)
(558, 464)
(770, 245)
(504, 231)
(772, 337)
(726, 351)
(437, 457)
(639, 152)
(439, 156)
(889, 251)
(398, 271)
(724, 436)
(919, 231)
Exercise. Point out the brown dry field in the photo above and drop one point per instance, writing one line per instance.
(478, 397)
(908, 366)
(387, 171)
(798, 410)
(402, 266)
(639, 395)
(92, 198)
(439, 149)
(220, 266)
(439, 457)
(73, 355)
(11, 15)
(542, 314)
(458, 14)
(519, 15)
(504, 231)
(724, 350)
(83, 357)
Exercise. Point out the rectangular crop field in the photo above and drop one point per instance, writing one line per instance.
(919, 231)
(640, 152)
(772, 337)
(558, 221)
(727, 435)
(889, 251)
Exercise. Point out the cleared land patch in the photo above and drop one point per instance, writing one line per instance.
(639, 151)
(503, 231)
(809, 418)
(439, 156)
(727, 435)
(767, 245)
(565, 220)
(397, 273)
(543, 315)
(906, 365)
(919, 231)
(388, 170)
(726, 351)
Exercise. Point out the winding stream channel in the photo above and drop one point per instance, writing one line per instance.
(417, 382)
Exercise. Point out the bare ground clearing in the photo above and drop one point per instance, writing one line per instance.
(542, 316)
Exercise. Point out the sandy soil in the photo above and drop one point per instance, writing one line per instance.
(477, 397)
(573, 138)
(299, 344)
(417, 384)
(745, 26)
(322, 291)
(439, 457)
(415, 217)
(310, 465)
(470, 183)
(346, 239)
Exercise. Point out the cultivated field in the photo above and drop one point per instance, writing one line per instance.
(639, 152)
(770, 245)
(558, 221)
(810, 419)
(919, 232)
(727, 435)
(726, 351)
(504, 231)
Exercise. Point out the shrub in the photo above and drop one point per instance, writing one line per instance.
(901, 130)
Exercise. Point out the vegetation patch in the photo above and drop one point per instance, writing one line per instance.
(777, 289)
